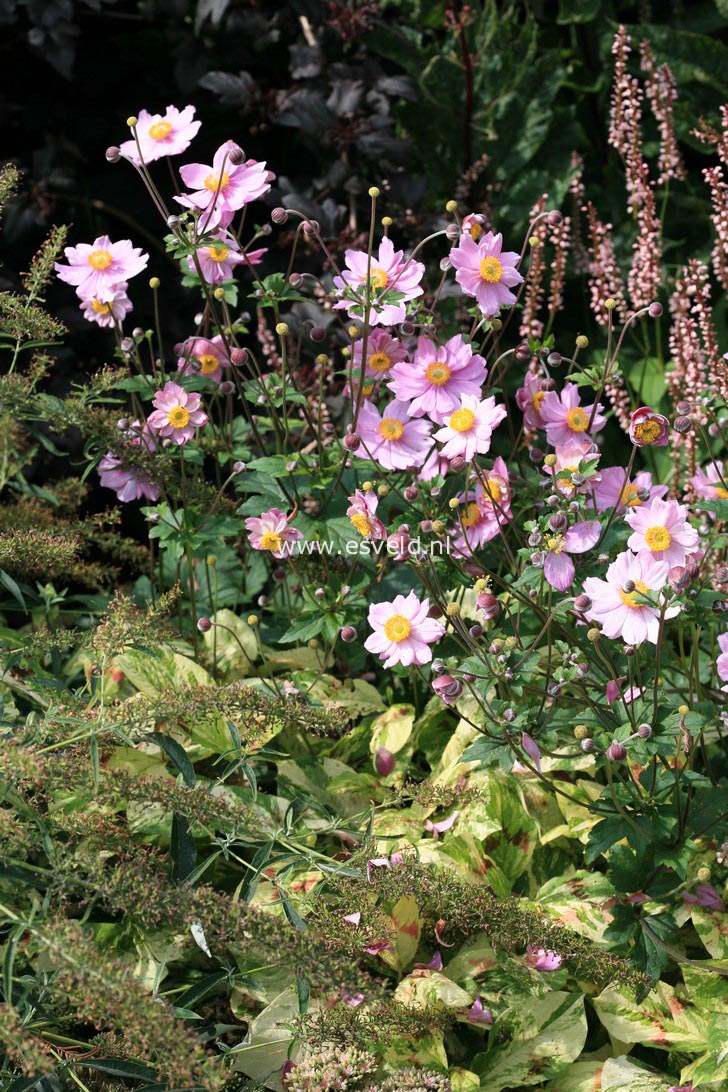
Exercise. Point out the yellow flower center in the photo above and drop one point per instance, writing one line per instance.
(629, 498)
(397, 628)
(380, 362)
(100, 259)
(470, 516)
(475, 231)
(438, 373)
(721, 493)
(493, 490)
(160, 130)
(391, 429)
(208, 364)
(218, 253)
(377, 277)
(658, 538)
(101, 308)
(213, 181)
(462, 419)
(361, 524)
(556, 545)
(577, 420)
(491, 270)
(647, 431)
(630, 598)
(271, 540)
(178, 417)
(537, 400)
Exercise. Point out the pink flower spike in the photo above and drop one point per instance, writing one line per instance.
(97, 269)
(393, 439)
(353, 919)
(558, 568)
(468, 429)
(479, 1015)
(108, 312)
(222, 188)
(542, 960)
(170, 133)
(177, 414)
(403, 631)
(377, 862)
(661, 530)
(487, 272)
(438, 377)
(648, 429)
(389, 273)
(271, 531)
(532, 750)
(566, 420)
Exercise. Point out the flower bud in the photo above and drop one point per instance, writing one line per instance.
(279, 215)
(582, 341)
(317, 333)
(509, 715)
(452, 232)
(238, 356)
(113, 154)
(351, 442)
(644, 730)
(553, 360)
(616, 751)
(281, 329)
(593, 635)
(383, 762)
(204, 625)
(587, 745)
(476, 632)
(628, 587)
(523, 352)
(682, 425)
(457, 464)
(558, 522)
(236, 155)
(348, 634)
(703, 874)
(407, 328)
(311, 227)
(488, 604)
(411, 493)
(654, 310)
(295, 280)
(226, 387)
(448, 688)
(581, 731)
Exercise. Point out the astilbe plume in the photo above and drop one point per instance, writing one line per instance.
(661, 91)
(719, 197)
(531, 325)
(605, 278)
(643, 281)
(561, 239)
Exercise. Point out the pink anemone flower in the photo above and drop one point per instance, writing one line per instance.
(612, 489)
(362, 515)
(468, 430)
(558, 568)
(486, 271)
(107, 312)
(709, 482)
(403, 631)
(529, 398)
(393, 439)
(722, 661)
(98, 268)
(217, 259)
(203, 356)
(566, 420)
(661, 529)
(223, 187)
(177, 414)
(388, 272)
(272, 532)
(485, 511)
(648, 429)
(383, 353)
(170, 133)
(618, 603)
(438, 377)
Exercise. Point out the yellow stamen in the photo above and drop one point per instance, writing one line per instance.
(630, 598)
(556, 545)
(438, 373)
(391, 429)
(647, 431)
(397, 628)
(213, 181)
(475, 231)
(537, 400)
(218, 253)
(101, 308)
(491, 270)
(361, 524)
(577, 420)
(658, 538)
(462, 420)
(493, 490)
(629, 498)
(380, 362)
(178, 417)
(470, 516)
(208, 364)
(100, 259)
(271, 540)
(378, 277)
(160, 130)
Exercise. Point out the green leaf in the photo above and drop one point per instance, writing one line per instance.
(182, 847)
(177, 754)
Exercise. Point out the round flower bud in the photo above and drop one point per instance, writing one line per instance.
(407, 328)
(534, 240)
(410, 493)
(219, 293)
(581, 731)
(593, 635)
(426, 527)
(279, 215)
(373, 191)
(703, 874)
(554, 218)
(628, 587)
(311, 227)
(654, 310)
(295, 280)
(488, 604)
(438, 526)
(587, 745)
(238, 356)
(476, 632)
(582, 341)
(550, 461)
(387, 221)
(253, 620)
(367, 486)
(523, 352)
(683, 710)
(281, 329)
(644, 730)
(383, 762)
(509, 715)
(535, 454)
(457, 464)
(123, 424)
(616, 751)
(154, 283)
(113, 154)
(453, 610)
(683, 425)
(438, 667)
(553, 360)
(447, 688)
(239, 467)
(226, 387)
(317, 333)
(351, 442)
(204, 625)
(451, 207)
(610, 303)
(558, 522)
(468, 678)
(236, 155)
(453, 502)
(322, 360)
(132, 121)
(279, 574)
(382, 490)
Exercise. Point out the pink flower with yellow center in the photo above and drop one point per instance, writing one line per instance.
(362, 515)
(648, 429)
(472, 225)
(203, 356)
(558, 568)
(486, 271)
(392, 438)
(468, 430)
(108, 312)
(710, 482)
(387, 273)
(129, 482)
(483, 512)
(222, 188)
(661, 529)
(97, 269)
(177, 414)
(383, 352)
(403, 631)
(170, 133)
(568, 461)
(625, 603)
(272, 533)
(438, 377)
(529, 398)
(217, 259)
(722, 662)
(612, 489)
(565, 420)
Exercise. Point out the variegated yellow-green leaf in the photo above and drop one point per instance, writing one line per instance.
(431, 990)
(712, 928)
(623, 1075)
(463, 1080)
(662, 1019)
(406, 926)
(392, 729)
(269, 1038)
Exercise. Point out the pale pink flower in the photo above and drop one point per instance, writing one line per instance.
(221, 189)
(272, 532)
(472, 224)
(389, 273)
(614, 691)
(612, 489)
(177, 413)
(486, 271)
(435, 464)
(440, 827)
(529, 398)
(393, 439)
(362, 514)
(627, 614)
(709, 482)
(558, 568)
(568, 461)
(107, 312)
(542, 959)
(468, 430)
(129, 482)
(565, 419)
(383, 352)
(485, 511)
(661, 529)
(722, 661)
(403, 631)
(98, 268)
(438, 377)
(203, 356)
(170, 133)
(217, 259)
(648, 429)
